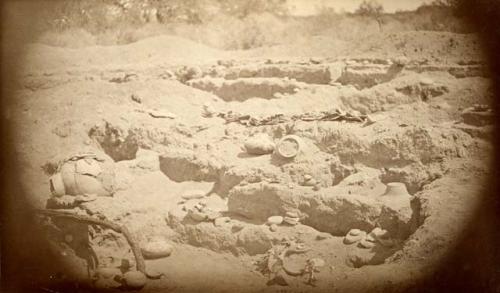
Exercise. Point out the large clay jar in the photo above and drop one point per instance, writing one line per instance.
(396, 195)
(83, 174)
(396, 189)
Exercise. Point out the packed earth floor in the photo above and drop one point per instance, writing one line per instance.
(279, 169)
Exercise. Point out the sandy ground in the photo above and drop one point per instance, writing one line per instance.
(100, 99)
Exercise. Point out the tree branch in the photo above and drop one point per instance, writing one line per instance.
(139, 260)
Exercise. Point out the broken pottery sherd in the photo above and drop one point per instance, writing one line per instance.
(292, 214)
(161, 114)
(134, 279)
(57, 185)
(378, 233)
(289, 146)
(351, 238)
(323, 236)
(365, 243)
(275, 220)
(355, 232)
(193, 194)
(156, 249)
(370, 238)
(291, 221)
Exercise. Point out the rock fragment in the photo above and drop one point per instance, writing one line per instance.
(260, 144)
(134, 280)
(221, 221)
(136, 98)
(275, 220)
(156, 249)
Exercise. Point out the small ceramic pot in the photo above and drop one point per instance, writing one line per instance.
(289, 146)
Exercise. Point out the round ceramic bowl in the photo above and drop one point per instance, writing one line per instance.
(289, 146)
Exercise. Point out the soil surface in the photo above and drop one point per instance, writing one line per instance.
(171, 119)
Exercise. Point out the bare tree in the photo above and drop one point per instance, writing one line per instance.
(373, 9)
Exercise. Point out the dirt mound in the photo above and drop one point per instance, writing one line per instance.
(437, 46)
(155, 50)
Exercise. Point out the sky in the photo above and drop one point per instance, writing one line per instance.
(308, 7)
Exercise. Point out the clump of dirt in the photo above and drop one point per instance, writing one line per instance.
(116, 142)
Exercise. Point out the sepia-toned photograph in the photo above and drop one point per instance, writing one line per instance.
(273, 146)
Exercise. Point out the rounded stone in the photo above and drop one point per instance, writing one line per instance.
(260, 144)
(323, 236)
(311, 182)
(134, 279)
(275, 220)
(156, 249)
(273, 228)
(426, 81)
